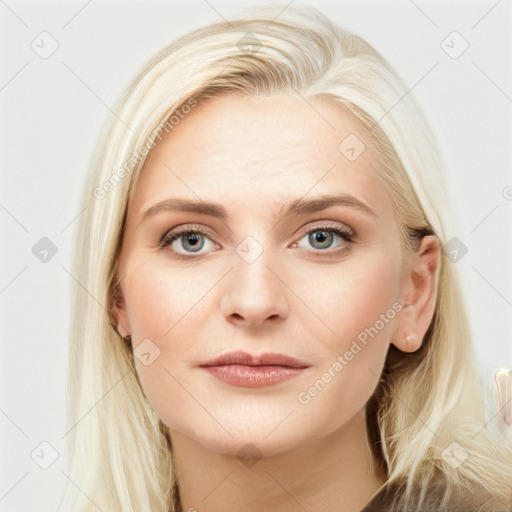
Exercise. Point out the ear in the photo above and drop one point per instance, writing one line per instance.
(419, 290)
(120, 313)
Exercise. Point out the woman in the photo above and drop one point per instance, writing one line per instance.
(266, 319)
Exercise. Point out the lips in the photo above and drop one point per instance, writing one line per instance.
(251, 371)
(243, 358)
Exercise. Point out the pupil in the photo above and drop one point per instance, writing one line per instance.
(193, 240)
(322, 237)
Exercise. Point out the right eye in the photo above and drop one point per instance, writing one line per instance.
(186, 241)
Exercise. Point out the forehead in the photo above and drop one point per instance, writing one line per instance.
(240, 151)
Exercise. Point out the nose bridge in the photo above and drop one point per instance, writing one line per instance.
(254, 292)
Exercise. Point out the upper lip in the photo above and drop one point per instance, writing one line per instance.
(244, 358)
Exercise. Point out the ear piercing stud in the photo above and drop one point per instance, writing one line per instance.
(126, 337)
(410, 338)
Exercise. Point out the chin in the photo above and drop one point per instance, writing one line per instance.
(252, 436)
(253, 446)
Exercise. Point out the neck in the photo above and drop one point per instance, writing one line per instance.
(332, 474)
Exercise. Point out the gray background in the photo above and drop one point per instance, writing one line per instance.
(52, 111)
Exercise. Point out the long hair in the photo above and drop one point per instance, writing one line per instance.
(428, 405)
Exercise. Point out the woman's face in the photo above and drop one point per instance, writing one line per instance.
(275, 270)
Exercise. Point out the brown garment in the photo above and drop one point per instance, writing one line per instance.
(462, 502)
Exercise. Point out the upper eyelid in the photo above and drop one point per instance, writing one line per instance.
(178, 231)
(327, 225)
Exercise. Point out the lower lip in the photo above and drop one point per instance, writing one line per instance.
(252, 376)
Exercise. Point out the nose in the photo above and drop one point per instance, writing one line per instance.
(255, 294)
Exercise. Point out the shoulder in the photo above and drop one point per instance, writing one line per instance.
(436, 499)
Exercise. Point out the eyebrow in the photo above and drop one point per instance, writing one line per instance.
(295, 207)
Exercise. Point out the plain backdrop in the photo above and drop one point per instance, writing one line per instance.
(52, 112)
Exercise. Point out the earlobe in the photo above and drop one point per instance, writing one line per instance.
(419, 288)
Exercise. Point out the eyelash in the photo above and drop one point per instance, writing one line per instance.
(343, 232)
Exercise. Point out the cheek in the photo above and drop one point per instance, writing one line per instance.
(361, 308)
(356, 297)
(161, 301)
(166, 314)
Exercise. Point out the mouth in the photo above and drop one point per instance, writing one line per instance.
(250, 371)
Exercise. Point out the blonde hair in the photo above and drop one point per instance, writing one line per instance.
(120, 453)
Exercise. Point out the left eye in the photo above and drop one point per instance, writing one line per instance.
(324, 238)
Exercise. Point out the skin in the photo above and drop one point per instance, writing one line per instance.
(252, 155)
